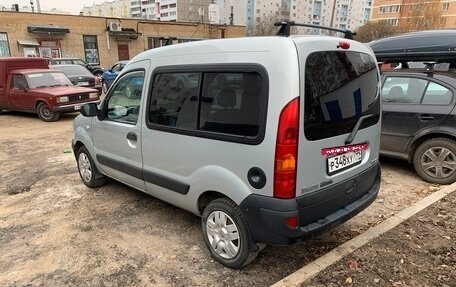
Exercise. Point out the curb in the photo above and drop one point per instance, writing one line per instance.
(312, 269)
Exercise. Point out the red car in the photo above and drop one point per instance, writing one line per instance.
(43, 91)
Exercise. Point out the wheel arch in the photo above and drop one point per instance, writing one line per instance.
(39, 101)
(206, 197)
(421, 137)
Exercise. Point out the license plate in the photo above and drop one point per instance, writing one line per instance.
(77, 108)
(343, 161)
(83, 83)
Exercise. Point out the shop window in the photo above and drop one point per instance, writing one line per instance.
(91, 50)
(4, 45)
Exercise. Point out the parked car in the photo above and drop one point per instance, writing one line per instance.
(269, 139)
(111, 74)
(26, 84)
(79, 76)
(419, 122)
(94, 69)
(419, 115)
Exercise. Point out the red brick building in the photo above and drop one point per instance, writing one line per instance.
(97, 40)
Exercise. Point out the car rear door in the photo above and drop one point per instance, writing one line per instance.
(412, 103)
(341, 117)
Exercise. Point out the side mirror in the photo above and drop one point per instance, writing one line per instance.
(89, 110)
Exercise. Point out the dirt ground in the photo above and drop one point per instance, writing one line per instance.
(54, 231)
(419, 252)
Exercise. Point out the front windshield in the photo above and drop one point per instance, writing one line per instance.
(51, 79)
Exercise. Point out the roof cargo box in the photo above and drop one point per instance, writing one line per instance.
(432, 45)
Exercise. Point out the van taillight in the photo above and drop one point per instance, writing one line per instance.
(287, 151)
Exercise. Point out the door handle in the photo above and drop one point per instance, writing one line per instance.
(132, 136)
(425, 118)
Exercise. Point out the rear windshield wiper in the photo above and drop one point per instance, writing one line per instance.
(352, 135)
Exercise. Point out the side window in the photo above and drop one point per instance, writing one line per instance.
(403, 90)
(437, 95)
(230, 103)
(118, 67)
(19, 82)
(217, 104)
(124, 99)
(174, 100)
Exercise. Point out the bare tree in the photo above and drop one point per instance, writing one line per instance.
(418, 15)
(374, 30)
(264, 26)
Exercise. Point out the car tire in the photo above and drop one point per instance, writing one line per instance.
(87, 170)
(226, 234)
(46, 114)
(435, 160)
(105, 87)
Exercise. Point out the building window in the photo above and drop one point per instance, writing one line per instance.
(4, 45)
(91, 49)
(442, 20)
(392, 22)
(445, 6)
(155, 42)
(389, 9)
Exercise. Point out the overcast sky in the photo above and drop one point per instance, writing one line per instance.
(73, 6)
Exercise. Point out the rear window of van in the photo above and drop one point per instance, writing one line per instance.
(340, 87)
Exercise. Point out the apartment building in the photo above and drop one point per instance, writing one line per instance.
(228, 12)
(117, 9)
(171, 10)
(399, 12)
(344, 14)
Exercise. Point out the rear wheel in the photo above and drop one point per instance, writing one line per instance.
(226, 234)
(435, 160)
(46, 114)
(87, 170)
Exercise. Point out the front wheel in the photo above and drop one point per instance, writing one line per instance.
(87, 170)
(46, 114)
(226, 234)
(435, 161)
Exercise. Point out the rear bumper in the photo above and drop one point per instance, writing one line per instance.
(317, 212)
(72, 108)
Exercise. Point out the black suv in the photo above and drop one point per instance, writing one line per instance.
(96, 70)
(419, 121)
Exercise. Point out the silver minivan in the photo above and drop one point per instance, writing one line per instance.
(270, 140)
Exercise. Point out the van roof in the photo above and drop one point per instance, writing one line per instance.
(239, 45)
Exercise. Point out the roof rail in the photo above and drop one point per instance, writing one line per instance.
(284, 29)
